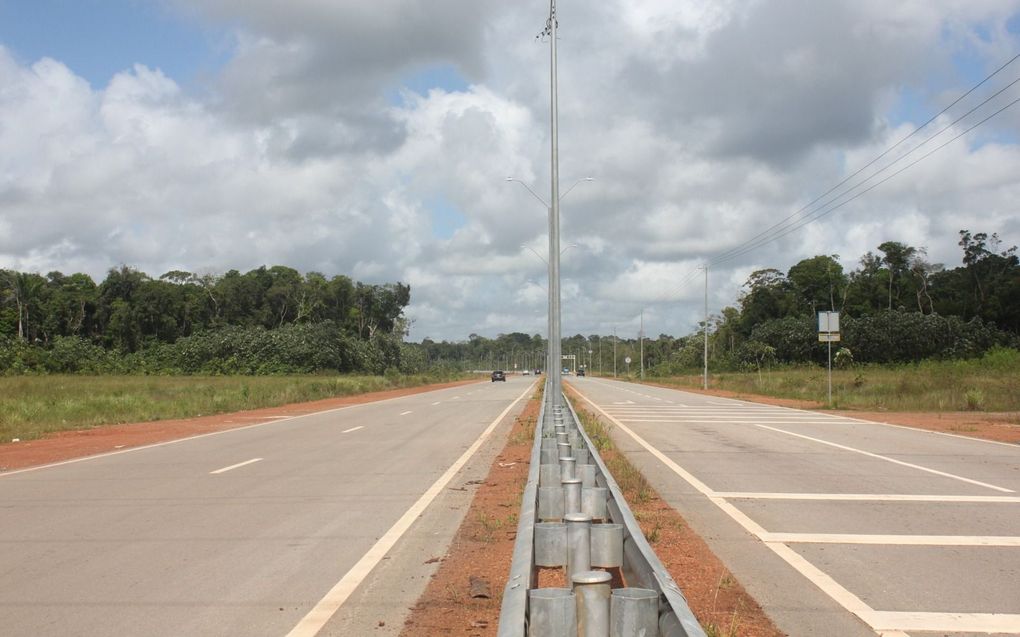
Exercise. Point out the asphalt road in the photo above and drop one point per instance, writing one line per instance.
(318, 524)
(836, 526)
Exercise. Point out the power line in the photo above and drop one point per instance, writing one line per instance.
(823, 211)
(763, 237)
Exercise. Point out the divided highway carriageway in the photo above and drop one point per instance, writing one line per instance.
(313, 525)
(837, 526)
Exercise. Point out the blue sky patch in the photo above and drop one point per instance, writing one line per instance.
(441, 76)
(446, 218)
(99, 38)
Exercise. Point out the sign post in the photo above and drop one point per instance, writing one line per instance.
(828, 331)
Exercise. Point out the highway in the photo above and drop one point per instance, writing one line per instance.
(314, 525)
(837, 526)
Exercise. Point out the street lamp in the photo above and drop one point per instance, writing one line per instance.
(543, 259)
(553, 264)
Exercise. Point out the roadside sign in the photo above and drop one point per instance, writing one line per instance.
(828, 322)
(828, 332)
(627, 360)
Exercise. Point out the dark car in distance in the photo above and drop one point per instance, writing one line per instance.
(580, 372)
(498, 375)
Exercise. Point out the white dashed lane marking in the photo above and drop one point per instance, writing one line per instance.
(234, 466)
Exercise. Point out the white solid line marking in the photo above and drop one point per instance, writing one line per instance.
(235, 466)
(347, 431)
(404, 413)
(871, 497)
(945, 622)
(313, 622)
(726, 421)
(892, 540)
(888, 459)
(436, 403)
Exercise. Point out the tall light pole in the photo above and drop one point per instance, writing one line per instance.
(554, 209)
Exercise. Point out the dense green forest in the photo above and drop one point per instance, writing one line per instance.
(268, 320)
(896, 307)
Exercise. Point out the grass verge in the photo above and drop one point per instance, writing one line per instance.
(985, 384)
(34, 406)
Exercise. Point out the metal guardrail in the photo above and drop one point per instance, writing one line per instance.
(514, 609)
(645, 576)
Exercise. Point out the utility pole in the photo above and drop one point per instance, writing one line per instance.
(706, 326)
(614, 352)
(641, 340)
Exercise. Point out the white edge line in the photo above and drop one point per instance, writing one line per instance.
(347, 431)
(892, 540)
(870, 497)
(235, 466)
(888, 459)
(276, 420)
(990, 623)
(319, 616)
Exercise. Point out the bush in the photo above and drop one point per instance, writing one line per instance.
(885, 337)
(292, 349)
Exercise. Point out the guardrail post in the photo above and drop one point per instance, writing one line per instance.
(578, 543)
(553, 612)
(567, 468)
(633, 612)
(572, 496)
(591, 591)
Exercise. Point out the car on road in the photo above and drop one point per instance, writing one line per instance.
(526, 373)
(580, 372)
(538, 372)
(498, 375)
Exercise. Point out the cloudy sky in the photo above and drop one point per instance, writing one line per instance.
(373, 138)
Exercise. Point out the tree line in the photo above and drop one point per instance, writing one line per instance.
(896, 306)
(134, 322)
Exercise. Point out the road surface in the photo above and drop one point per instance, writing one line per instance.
(318, 524)
(836, 526)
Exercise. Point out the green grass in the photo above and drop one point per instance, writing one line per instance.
(986, 384)
(34, 406)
